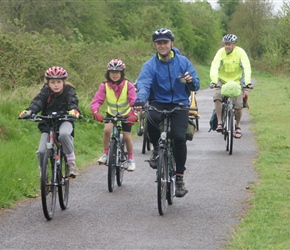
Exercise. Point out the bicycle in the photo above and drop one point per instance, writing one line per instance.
(117, 155)
(228, 119)
(166, 169)
(53, 166)
(142, 130)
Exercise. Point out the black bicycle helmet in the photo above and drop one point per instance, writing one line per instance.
(163, 34)
(230, 38)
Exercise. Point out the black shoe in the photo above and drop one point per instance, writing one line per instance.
(180, 187)
(153, 158)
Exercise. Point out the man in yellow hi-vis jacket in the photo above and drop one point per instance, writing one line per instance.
(230, 63)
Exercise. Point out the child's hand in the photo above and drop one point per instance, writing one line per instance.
(25, 114)
(74, 113)
(98, 117)
(132, 118)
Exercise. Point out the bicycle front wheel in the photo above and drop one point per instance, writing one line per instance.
(231, 131)
(63, 182)
(162, 182)
(171, 182)
(48, 187)
(112, 165)
(120, 169)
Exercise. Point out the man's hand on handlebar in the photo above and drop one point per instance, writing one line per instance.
(250, 86)
(212, 85)
(138, 105)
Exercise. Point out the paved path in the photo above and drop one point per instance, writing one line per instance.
(128, 218)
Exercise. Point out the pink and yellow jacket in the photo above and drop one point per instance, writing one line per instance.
(100, 95)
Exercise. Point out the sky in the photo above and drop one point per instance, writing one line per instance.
(277, 3)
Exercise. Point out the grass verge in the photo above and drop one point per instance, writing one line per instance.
(266, 225)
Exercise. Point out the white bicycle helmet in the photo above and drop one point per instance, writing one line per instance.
(230, 38)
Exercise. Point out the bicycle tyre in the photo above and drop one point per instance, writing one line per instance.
(224, 124)
(162, 182)
(231, 131)
(171, 184)
(144, 142)
(48, 189)
(120, 169)
(63, 182)
(112, 165)
(148, 143)
(197, 123)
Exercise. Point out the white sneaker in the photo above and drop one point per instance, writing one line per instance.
(131, 165)
(103, 159)
(72, 169)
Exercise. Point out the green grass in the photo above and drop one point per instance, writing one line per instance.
(266, 225)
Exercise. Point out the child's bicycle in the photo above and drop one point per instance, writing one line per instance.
(54, 168)
(117, 156)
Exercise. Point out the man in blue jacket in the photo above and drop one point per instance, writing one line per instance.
(166, 81)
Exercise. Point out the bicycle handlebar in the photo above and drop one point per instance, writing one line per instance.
(115, 119)
(165, 111)
(53, 116)
(213, 85)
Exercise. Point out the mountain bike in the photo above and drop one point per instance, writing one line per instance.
(117, 155)
(54, 168)
(166, 169)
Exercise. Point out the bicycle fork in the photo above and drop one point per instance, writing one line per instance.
(54, 158)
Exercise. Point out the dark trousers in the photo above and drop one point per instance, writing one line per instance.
(179, 123)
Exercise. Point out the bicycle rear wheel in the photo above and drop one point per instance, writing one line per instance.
(112, 165)
(63, 182)
(120, 169)
(146, 141)
(231, 131)
(48, 187)
(197, 122)
(162, 182)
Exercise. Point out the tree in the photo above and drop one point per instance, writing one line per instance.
(228, 7)
(249, 23)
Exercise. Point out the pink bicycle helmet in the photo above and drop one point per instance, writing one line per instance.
(56, 72)
(116, 64)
